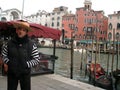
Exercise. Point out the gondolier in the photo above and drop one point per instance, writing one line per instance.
(20, 54)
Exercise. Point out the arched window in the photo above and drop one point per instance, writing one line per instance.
(52, 24)
(14, 15)
(53, 18)
(118, 25)
(76, 36)
(117, 36)
(80, 36)
(109, 35)
(84, 29)
(76, 28)
(110, 26)
(58, 24)
(84, 36)
(58, 18)
(42, 42)
(45, 24)
(3, 19)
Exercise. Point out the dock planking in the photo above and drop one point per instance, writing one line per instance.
(52, 82)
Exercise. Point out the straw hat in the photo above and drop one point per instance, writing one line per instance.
(22, 24)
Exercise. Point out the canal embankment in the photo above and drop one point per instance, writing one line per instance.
(52, 82)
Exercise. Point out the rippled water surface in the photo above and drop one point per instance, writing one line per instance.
(62, 65)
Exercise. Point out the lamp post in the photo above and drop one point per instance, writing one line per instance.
(63, 35)
(117, 50)
(113, 50)
(72, 53)
(109, 37)
(23, 8)
(96, 49)
(92, 37)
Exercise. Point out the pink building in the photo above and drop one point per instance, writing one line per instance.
(90, 23)
(68, 24)
(114, 25)
(86, 22)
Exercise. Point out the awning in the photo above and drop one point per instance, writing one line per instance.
(37, 30)
(86, 41)
(45, 32)
(67, 39)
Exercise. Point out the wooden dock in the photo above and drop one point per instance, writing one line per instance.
(52, 82)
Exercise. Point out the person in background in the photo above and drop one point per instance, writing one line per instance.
(20, 54)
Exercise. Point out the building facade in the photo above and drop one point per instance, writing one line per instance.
(56, 17)
(53, 19)
(10, 14)
(68, 22)
(113, 26)
(88, 24)
(41, 17)
(91, 24)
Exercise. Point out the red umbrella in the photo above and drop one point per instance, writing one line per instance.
(6, 29)
(3, 25)
(37, 30)
(46, 32)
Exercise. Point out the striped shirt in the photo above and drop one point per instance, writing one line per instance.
(35, 56)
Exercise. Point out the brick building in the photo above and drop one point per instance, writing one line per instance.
(113, 25)
(86, 22)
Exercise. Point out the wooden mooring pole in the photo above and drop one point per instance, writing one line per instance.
(72, 53)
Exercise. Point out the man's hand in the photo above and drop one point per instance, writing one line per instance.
(5, 68)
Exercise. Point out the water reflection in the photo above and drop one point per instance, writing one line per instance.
(62, 65)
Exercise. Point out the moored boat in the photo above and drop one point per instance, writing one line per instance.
(116, 75)
(98, 77)
(45, 66)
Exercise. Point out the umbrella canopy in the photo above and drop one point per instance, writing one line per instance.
(6, 29)
(44, 31)
(37, 30)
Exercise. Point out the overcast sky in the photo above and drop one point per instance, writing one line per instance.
(32, 6)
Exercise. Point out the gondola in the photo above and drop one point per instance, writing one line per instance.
(42, 68)
(116, 75)
(98, 77)
(45, 66)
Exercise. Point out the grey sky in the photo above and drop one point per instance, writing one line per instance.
(32, 6)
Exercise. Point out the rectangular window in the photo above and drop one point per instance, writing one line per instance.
(118, 17)
(110, 17)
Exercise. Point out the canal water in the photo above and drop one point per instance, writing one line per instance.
(62, 64)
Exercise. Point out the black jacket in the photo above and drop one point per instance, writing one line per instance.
(20, 55)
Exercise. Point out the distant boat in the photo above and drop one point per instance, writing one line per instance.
(79, 50)
(116, 75)
(82, 50)
(76, 50)
(97, 74)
